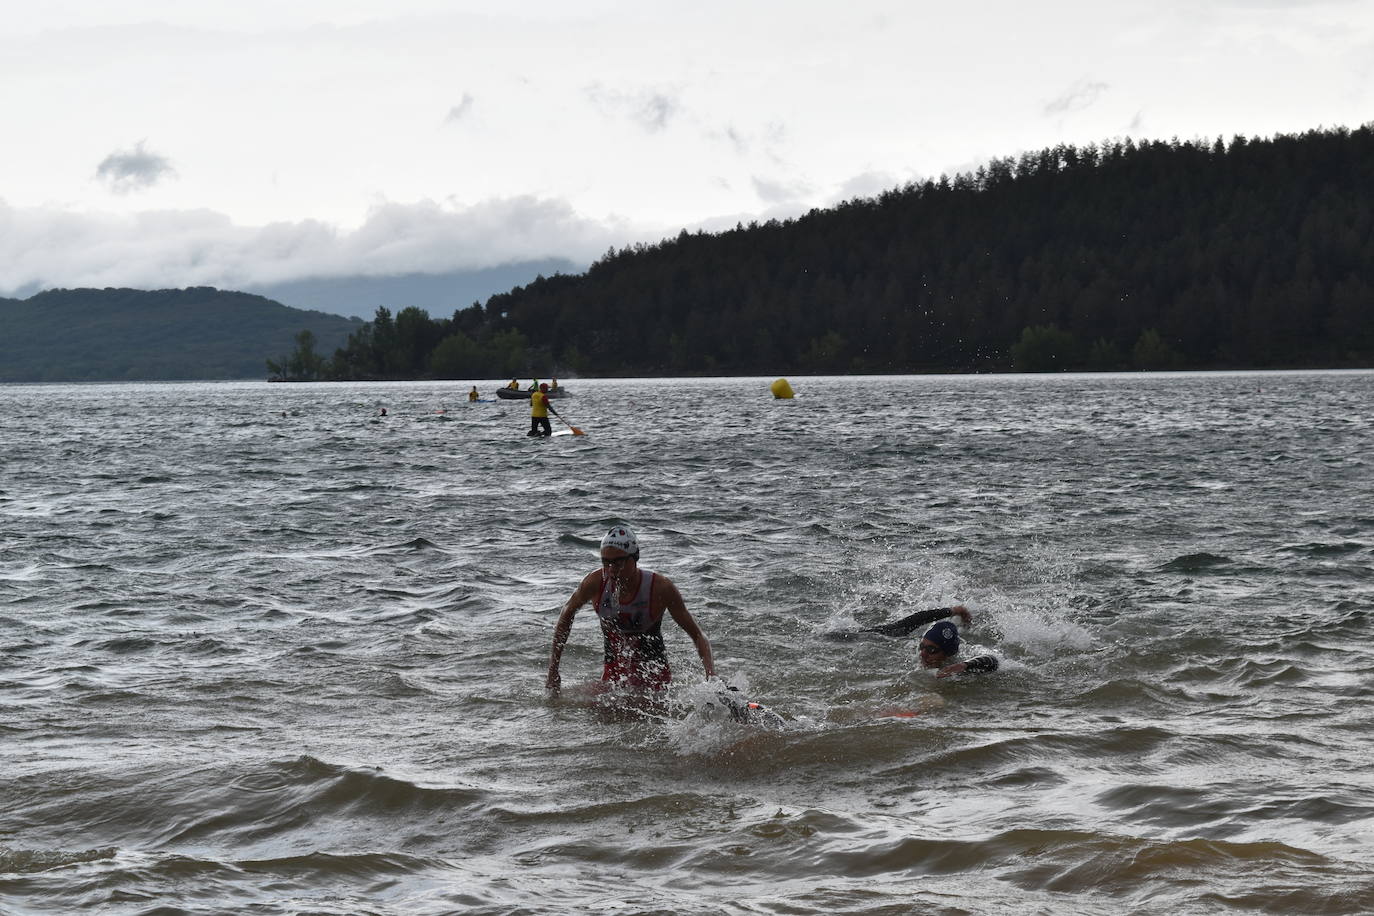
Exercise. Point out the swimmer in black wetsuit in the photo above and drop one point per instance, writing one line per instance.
(939, 644)
(908, 624)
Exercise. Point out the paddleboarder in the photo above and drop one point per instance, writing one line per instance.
(539, 412)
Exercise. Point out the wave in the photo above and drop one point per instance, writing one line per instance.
(1075, 866)
(1068, 861)
(290, 799)
(1196, 562)
(414, 545)
(28, 861)
(1184, 806)
(294, 801)
(178, 885)
(1128, 744)
(1320, 549)
(28, 572)
(126, 645)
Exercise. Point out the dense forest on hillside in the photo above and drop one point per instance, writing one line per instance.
(1247, 253)
(131, 334)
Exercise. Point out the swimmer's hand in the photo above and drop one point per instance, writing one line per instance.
(951, 670)
(962, 613)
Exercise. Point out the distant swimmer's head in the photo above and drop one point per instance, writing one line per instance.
(939, 643)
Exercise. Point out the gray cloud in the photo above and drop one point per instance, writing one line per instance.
(126, 171)
(1286, 4)
(460, 111)
(651, 110)
(779, 192)
(869, 184)
(655, 111)
(42, 248)
(1079, 96)
(769, 141)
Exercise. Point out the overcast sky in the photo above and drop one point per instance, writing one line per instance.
(165, 143)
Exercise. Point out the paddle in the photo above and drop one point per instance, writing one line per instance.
(575, 430)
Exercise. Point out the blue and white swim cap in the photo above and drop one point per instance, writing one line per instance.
(945, 635)
(621, 538)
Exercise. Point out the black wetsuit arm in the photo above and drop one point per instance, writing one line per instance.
(980, 664)
(911, 622)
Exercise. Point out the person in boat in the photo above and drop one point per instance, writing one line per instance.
(534, 385)
(540, 408)
(630, 604)
(553, 384)
(473, 395)
(939, 644)
(514, 385)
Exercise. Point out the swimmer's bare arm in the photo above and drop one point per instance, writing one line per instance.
(585, 592)
(671, 598)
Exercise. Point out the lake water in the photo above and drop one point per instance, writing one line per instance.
(294, 664)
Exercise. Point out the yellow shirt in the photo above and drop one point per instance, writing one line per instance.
(539, 404)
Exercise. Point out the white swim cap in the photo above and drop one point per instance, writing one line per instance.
(621, 538)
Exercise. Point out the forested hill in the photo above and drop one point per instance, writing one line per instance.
(1240, 253)
(130, 334)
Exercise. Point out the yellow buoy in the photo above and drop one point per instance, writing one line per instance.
(781, 389)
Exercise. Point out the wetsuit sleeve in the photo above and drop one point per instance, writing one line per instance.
(982, 664)
(911, 622)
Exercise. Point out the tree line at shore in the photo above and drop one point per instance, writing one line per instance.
(1247, 253)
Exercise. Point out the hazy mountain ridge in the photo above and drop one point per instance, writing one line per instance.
(135, 335)
(436, 293)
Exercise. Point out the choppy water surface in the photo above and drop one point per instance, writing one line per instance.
(255, 663)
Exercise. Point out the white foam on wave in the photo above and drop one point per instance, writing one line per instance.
(1041, 632)
(30, 861)
(25, 573)
(700, 722)
(888, 583)
(1034, 623)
